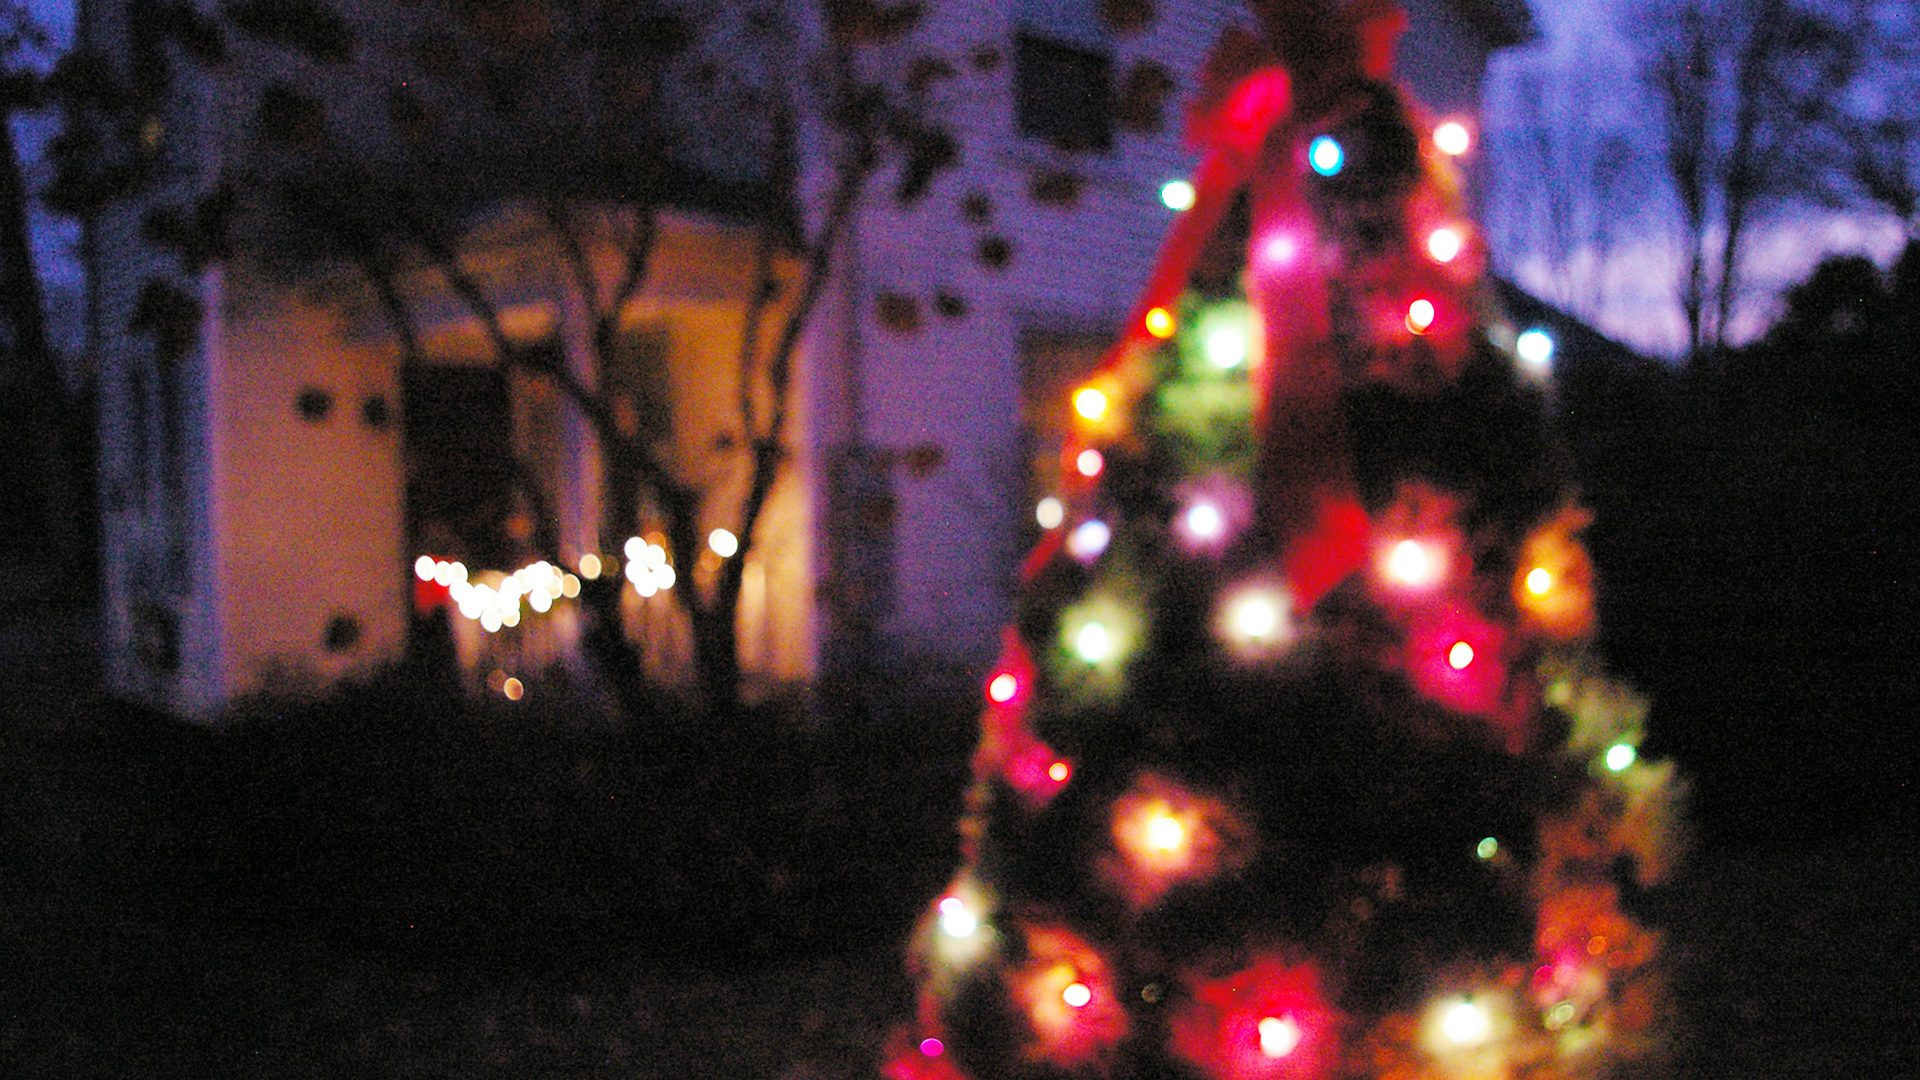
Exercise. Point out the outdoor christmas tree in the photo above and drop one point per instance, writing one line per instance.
(1298, 761)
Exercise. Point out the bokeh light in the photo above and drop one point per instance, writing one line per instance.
(1177, 195)
(1089, 540)
(1534, 348)
(1415, 564)
(1089, 462)
(1050, 513)
(1090, 403)
(1279, 1035)
(1256, 621)
(1094, 642)
(1227, 347)
(956, 921)
(1452, 138)
(1444, 245)
(1420, 315)
(1159, 322)
(723, 543)
(1620, 755)
(1003, 687)
(1466, 1024)
(1459, 656)
(1204, 521)
(1326, 156)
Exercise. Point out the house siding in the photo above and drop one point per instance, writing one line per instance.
(1074, 269)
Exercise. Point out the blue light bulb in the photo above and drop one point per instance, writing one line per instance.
(1325, 155)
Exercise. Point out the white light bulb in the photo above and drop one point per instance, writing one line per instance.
(1227, 348)
(1279, 1035)
(1050, 513)
(955, 920)
(1466, 1024)
(1535, 349)
(1204, 520)
(1089, 540)
(1093, 643)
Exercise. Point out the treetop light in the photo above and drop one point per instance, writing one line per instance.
(1452, 138)
(1539, 580)
(1177, 195)
(1076, 995)
(1460, 656)
(1326, 156)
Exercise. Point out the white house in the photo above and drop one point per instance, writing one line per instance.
(264, 502)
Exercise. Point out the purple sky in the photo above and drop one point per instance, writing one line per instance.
(1636, 282)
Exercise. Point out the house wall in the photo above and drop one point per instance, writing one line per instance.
(311, 575)
(957, 532)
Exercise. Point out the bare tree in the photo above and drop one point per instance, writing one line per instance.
(419, 139)
(1742, 89)
(43, 421)
(1568, 193)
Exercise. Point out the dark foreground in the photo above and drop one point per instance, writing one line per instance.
(387, 888)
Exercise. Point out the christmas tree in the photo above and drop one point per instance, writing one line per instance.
(1299, 761)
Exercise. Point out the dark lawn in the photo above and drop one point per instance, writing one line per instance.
(387, 887)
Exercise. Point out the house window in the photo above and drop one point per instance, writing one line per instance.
(1063, 93)
(460, 464)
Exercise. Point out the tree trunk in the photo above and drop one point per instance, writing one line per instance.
(39, 398)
